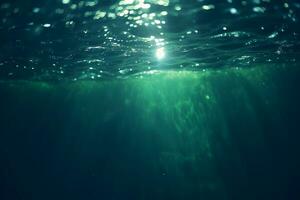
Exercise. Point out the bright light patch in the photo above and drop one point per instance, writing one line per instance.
(47, 25)
(160, 53)
(208, 7)
(126, 2)
(65, 1)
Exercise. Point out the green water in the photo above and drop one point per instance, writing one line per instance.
(216, 134)
(149, 100)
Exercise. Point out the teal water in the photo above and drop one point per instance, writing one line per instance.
(144, 100)
(228, 134)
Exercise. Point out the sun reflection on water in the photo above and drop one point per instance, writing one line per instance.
(160, 53)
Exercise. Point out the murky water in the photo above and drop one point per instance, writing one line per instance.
(149, 100)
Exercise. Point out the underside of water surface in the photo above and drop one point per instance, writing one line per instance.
(72, 39)
(149, 100)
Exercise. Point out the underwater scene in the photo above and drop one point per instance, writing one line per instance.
(149, 99)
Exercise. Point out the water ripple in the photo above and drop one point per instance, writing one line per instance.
(72, 39)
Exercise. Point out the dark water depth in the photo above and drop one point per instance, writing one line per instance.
(228, 134)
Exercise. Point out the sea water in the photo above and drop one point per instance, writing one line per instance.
(144, 99)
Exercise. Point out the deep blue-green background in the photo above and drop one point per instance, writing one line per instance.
(211, 135)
